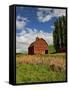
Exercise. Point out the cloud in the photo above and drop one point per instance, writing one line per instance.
(52, 27)
(46, 14)
(21, 22)
(26, 37)
(59, 12)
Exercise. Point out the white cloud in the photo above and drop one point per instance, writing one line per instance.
(21, 22)
(52, 27)
(45, 14)
(27, 36)
(59, 12)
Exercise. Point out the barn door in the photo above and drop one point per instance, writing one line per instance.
(46, 51)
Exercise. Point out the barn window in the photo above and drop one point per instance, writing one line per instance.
(46, 51)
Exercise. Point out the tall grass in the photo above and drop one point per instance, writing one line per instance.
(40, 68)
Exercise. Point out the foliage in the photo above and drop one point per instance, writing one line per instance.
(59, 33)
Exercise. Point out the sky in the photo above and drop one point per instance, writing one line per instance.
(32, 22)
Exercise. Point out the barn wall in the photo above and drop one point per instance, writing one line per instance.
(40, 47)
(31, 50)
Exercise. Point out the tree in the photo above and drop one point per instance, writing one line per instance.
(56, 37)
(59, 33)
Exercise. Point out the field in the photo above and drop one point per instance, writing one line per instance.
(51, 49)
(40, 68)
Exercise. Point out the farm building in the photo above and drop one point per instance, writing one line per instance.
(39, 46)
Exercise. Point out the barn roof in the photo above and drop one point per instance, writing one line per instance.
(33, 43)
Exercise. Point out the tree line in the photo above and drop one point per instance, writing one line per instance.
(60, 33)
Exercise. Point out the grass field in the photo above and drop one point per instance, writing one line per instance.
(51, 49)
(40, 68)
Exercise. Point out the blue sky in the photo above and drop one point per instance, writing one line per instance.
(30, 14)
(32, 22)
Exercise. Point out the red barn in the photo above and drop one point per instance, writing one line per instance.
(39, 46)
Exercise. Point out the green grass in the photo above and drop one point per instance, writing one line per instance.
(28, 73)
(51, 49)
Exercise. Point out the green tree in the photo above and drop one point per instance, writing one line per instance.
(56, 37)
(59, 33)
